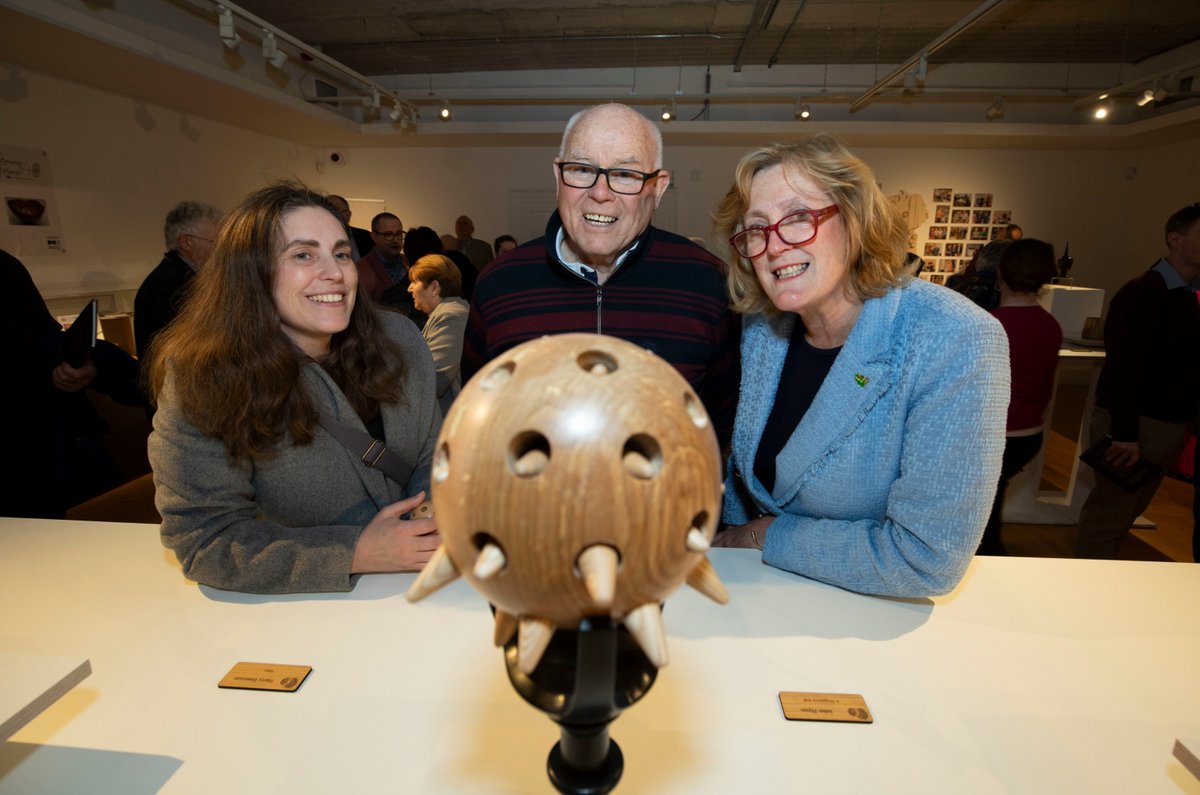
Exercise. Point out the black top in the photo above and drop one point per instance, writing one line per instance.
(1152, 363)
(159, 299)
(804, 371)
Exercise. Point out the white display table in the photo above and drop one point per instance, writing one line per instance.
(1034, 676)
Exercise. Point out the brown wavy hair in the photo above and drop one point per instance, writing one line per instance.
(235, 375)
(876, 238)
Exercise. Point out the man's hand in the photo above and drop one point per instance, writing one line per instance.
(1122, 454)
(71, 379)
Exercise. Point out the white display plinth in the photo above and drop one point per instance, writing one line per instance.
(1071, 306)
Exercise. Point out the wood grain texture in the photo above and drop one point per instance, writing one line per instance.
(569, 442)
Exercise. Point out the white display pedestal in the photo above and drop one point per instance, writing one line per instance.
(1071, 306)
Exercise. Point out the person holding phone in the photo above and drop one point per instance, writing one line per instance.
(1149, 388)
(57, 457)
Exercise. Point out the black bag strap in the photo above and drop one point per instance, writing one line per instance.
(372, 452)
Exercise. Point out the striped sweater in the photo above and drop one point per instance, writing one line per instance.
(667, 296)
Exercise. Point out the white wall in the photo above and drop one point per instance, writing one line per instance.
(118, 170)
(116, 179)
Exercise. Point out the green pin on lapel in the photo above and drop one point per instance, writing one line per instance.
(861, 379)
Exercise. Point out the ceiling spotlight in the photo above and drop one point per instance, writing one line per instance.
(1101, 112)
(668, 112)
(803, 112)
(1160, 93)
(225, 27)
(1146, 98)
(995, 110)
(396, 112)
(271, 52)
(444, 111)
(408, 121)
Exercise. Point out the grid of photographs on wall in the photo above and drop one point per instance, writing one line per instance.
(962, 224)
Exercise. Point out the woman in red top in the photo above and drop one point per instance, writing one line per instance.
(1034, 338)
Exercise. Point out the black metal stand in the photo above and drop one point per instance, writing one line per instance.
(584, 680)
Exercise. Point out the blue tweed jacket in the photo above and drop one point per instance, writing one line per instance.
(887, 482)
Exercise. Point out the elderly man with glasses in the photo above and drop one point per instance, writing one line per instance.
(602, 268)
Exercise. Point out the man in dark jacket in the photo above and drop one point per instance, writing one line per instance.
(189, 230)
(1149, 389)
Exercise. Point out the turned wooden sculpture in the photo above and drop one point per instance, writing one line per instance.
(576, 476)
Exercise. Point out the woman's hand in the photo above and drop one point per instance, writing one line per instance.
(750, 535)
(389, 543)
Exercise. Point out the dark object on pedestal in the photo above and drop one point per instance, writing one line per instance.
(1065, 261)
(583, 681)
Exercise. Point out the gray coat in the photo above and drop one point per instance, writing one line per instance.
(289, 523)
(444, 333)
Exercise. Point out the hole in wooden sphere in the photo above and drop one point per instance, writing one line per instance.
(641, 456)
(700, 522)
(695, 410)
(528, 454)
(597, 362)
(441, 463)
(498, 377)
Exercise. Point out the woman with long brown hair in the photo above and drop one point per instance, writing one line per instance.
(272, 376)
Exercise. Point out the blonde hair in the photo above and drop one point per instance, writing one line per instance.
(437, 268)
(876, 238)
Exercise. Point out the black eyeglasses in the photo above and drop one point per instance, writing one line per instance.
(795, 229)
(390, 235)
(620, 180)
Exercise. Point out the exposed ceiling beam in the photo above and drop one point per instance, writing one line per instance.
(760, 18)
(949, 35)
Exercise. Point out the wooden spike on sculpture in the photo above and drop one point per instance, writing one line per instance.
(599, 369)
(490, 561)
(646, 625)
(531, 463)
(638, 465)
(532, 639)
(506, 625)
(696, 542)
(598, 564)
(705, 580)
(439, 571)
